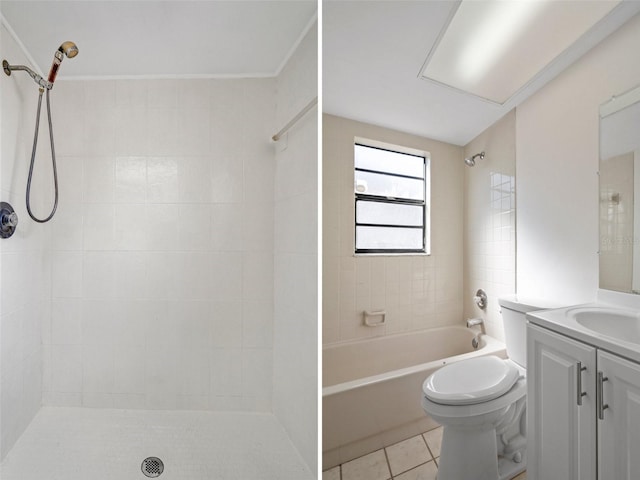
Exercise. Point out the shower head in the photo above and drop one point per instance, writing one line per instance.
(471, 161)
(70, 49)
(67, 48)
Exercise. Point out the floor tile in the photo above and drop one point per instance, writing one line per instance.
(370, 467)
(332, 474)
(110, 444)
(434, 440)
(408, 454)
(427, 471)
(410, 459)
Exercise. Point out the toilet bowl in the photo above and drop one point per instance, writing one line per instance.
(481, 403)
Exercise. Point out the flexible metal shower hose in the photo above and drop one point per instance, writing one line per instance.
(33, 158)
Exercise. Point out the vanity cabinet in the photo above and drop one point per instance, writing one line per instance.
(619, 427)
(561, 429)
(583, 410)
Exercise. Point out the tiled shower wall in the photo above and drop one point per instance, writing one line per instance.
(162, 268)
(417, 291)
(24, 259)
(490, 222)
(295, 401)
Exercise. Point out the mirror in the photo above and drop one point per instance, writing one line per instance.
(620, 193)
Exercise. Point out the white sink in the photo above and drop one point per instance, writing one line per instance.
(611, 327)
(612, 322)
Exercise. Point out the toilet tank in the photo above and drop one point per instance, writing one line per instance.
(514, 310)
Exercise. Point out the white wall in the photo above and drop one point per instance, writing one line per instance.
(490, 221)
(296, 254)
(162, 271)
(24, 258)
(417, 291)
(556, 163)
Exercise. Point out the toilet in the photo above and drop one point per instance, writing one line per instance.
(481, 403)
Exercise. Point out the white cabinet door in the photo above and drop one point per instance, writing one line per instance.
(561, 434)
(619, 427)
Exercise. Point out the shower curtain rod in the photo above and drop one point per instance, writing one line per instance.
(293, 121)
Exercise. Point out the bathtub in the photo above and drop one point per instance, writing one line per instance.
(372, 388)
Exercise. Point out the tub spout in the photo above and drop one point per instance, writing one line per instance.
(472, 322)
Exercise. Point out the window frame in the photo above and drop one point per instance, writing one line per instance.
(425, 203)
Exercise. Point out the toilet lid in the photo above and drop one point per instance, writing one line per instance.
(471, 381)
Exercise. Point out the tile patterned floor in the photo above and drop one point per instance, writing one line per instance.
(104, 444)
(413, 459)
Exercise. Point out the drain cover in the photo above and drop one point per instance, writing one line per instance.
(152, 467)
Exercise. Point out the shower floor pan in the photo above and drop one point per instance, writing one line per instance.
(104, 444)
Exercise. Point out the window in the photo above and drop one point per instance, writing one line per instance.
(391, 200)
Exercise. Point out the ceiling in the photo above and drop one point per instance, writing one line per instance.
(162, 38)
(374, 52)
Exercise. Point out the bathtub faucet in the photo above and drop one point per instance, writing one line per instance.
(472, 322)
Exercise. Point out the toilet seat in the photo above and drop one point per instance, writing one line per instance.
(472, 381)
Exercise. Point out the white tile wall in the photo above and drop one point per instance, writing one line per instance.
(163, 282)
(25, 261)
(490, 222)
(295, 322)
(416, 291)
(157, 273)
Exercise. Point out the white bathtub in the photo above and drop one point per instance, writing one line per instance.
(372, 388)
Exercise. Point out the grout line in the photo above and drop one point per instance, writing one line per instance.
(386, 456)
(414, 467)
(425, 441)
(428, 448)
(384, 449)
(427, 444)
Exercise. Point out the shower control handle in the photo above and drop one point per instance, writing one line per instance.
(579, 370)
(480, 299)
(8, 220)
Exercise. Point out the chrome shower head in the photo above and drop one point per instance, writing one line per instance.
(471, 161)
(67, 48)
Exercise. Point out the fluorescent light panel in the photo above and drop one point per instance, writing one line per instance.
(492, 48)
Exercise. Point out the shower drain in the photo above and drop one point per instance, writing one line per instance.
(152, 467)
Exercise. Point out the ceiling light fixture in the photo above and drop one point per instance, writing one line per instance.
(498, 26)
(493, 48)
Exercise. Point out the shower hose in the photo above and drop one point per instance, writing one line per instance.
(33, 158)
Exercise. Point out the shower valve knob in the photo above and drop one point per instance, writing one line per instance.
(480, 299)
(8, 220)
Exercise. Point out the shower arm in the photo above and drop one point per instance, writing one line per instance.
(37, 78)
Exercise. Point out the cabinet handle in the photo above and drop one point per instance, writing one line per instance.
(600, 395)
(579, 370)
